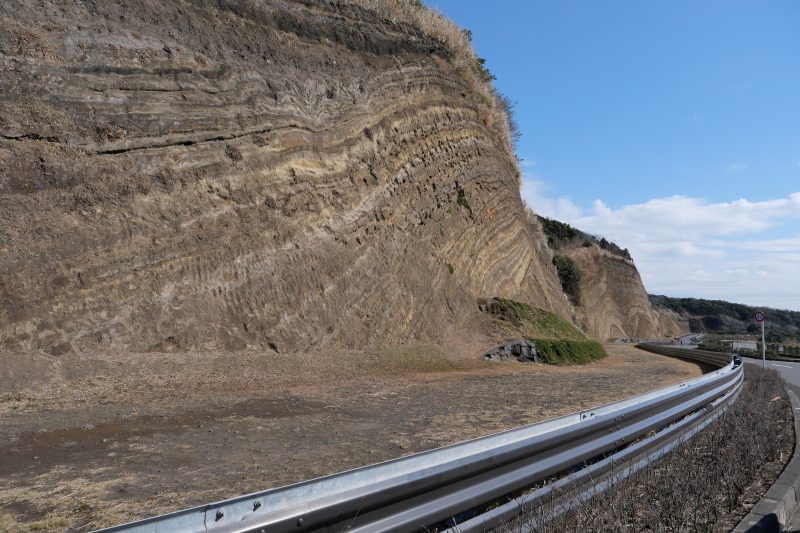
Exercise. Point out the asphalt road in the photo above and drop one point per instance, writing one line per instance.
(790, 372)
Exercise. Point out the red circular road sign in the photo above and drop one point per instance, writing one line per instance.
(760, 316)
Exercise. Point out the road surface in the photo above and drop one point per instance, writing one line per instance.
(790, 372)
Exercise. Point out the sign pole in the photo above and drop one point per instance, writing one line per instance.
(760, 316)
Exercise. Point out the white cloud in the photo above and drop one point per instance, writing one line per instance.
(534, 192)
(790, 244)
(684, 246)
(736, 168)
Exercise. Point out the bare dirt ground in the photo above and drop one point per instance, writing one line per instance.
(96, 442)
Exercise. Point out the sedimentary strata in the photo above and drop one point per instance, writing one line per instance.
(233, 174)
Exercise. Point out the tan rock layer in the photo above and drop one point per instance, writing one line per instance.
(614, 303)
(208, 174)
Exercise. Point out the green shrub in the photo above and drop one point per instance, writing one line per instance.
(557, 232)
(570, 277)
(560, 234)
(461, 199)
(532, 321)
(568, 352)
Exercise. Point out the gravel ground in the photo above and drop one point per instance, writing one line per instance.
(130, 438)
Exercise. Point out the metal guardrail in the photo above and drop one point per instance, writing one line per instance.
(432, 488)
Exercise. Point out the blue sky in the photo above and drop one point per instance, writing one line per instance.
(671, 127)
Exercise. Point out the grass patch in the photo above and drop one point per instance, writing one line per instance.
(412, 358)
(534, 322)
(563, 352)
(8, 522)
(57, 523)
(11, 398)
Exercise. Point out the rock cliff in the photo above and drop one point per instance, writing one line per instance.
(230, 173)
(603, 284)
(613, 300)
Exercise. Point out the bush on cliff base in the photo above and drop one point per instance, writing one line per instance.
(568, 352)
(532, 322)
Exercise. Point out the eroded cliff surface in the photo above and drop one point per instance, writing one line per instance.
(613, 300)
(604, 286)
(229, 174)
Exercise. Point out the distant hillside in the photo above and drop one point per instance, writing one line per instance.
(719, 316)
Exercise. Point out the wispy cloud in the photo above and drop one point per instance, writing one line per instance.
(744, 251)
(535, 194)
(736, 168)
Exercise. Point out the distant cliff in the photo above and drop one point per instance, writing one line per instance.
(231, 174)
(605, 287)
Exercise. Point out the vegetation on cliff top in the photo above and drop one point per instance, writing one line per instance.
(560, 234)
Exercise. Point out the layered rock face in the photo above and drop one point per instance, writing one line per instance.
(231, 174)
(614, 303)
(671, 324)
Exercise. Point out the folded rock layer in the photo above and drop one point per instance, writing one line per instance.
(232, 174)
(613, 301)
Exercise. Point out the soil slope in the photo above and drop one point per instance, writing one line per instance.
(226, 174)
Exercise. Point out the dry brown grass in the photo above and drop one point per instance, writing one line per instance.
(70, 501)
(131, 436)
(706, 485)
